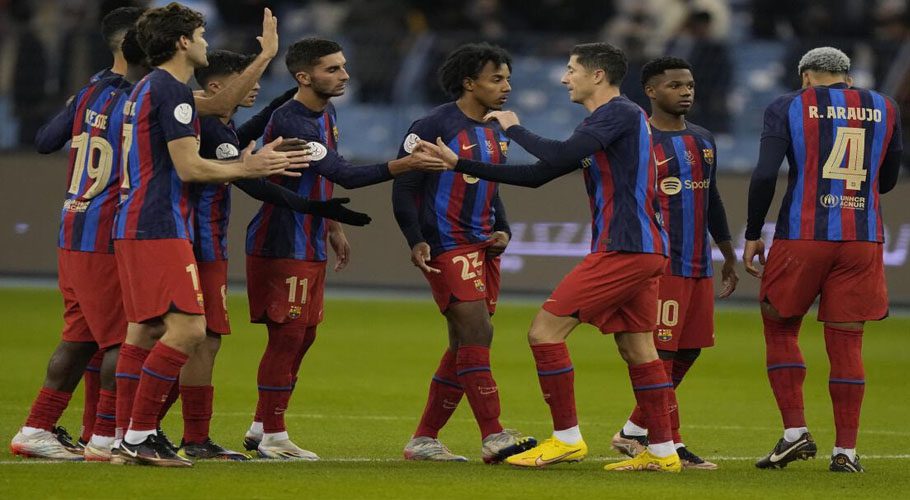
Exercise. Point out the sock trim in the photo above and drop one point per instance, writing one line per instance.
(158, 375)
(786, 365)
(446, 382)
(846, 381)
(472, 370)
(287, 388)
(560, 371)
(126, 375)
(653, 386)
(93, 369)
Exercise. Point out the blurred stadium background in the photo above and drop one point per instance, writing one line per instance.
(744, 53)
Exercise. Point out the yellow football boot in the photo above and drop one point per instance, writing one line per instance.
(550, 451)
(645, 461)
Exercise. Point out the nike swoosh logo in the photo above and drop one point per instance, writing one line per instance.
(539, 462)
(128, 452)
(466, 148)
(550, 300)
(659, 163)
(775, 457)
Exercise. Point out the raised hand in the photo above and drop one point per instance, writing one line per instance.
(754, 248)
(506, 119)
(334, 209)
(420, 255)
(440, 150)
(267, 161)
(269, 38)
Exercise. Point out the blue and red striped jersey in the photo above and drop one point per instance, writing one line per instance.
(281, 232)
(155, 202)
(686, 170)
(93, 174)
(621, 181)
(838, 137)
(455, 209)
(101, 75)
(217, 141)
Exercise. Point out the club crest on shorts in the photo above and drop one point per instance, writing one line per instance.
(664, 334)
(200, 300)
(295, 312)
(478, 284)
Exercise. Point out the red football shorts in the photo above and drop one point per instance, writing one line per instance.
(92, 298)
(158, 277)
(685, 313)
(614, 291)
(466, 275)
(849, 276)
(213, 279)
(285, 290)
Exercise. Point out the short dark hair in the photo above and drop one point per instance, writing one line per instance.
(132, 51)
(160, 29)
(468, 61)
(116, 23)
(657, 66)
(304, 54)
(222, 63)
(603, 56)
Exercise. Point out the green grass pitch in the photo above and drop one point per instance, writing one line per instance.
(362, 388)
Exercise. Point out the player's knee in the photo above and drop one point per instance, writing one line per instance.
(212, 344)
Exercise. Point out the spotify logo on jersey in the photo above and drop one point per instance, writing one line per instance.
(670, 185)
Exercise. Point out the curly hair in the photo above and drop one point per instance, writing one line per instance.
(160, 29)
(826, 59)
(467, 61)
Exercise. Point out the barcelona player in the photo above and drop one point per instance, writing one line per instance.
(843, 145)
(286, 251)
(690, 204)
(615, 288)
(456, 228)
(153, 227)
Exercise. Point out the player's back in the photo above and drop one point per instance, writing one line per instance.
(838, 137)
(94, 167)
(280, 232)
(457, 209)
(621, 181)
(156, 202)
(685, 171)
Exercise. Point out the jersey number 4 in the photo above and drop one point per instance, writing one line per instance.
(850, 142)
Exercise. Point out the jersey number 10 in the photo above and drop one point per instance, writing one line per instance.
(849, 142)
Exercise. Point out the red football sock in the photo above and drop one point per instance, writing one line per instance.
(472, 365)
(275, 378)
(786, 369)
(169, 402)
(91, 381)
(197, 412)
(678, 369)
(557, 382)
(129, 367)
(159, 374)
(308, 340)
(445, 394)
(638, 418)
(846, 383)
(652, 388)
(47, 408)
(105, 419)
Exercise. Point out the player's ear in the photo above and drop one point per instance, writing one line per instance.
(650, 92)
(302, 77)
(468, 84)
(849, 81)
(600, 76)
(807, 82)
(213, 86)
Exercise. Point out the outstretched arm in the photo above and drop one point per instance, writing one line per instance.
(53, 135)
(253, 128)
(281, 196)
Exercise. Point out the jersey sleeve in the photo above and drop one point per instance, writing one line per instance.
(176, 110)
(897, 136)
(777, 123)
(419, 130)
(52, 136)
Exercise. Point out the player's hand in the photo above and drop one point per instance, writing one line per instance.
(340, 246)
(420, 255)
(499, 240)
(267, 161)
(439, 150)
(427, 161)
(754, 248)
(334, 209)
(269, 38)
(293, 144)
(729, 278)
(506, 119)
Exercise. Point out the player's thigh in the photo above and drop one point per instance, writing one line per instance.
(698, 326)
(75, 326)
(97, 286)
(548, 328)
(855, 289)
(492, 280)
(470, 322)
(794, 274)
(461, 277)
(285, 290)
(161, 276)
(672, 298)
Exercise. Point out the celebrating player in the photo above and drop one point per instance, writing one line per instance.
(153, 227)
(286, 251)
(843, 145)
(220, 140)
(94, 317)
(615, 287)
(456, 229)
(690, 204)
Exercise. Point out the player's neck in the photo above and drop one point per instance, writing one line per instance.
(599, 97)
(120, 66)
(661, 120)
(311, 100)
(179, 67)
(471, 108)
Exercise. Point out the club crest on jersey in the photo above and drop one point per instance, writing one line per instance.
(335, 133)
(317, 151)
(670, 185)
(183, 113)
(295, 312)
(664, 334)
(708, 154)
(410, 142)
(226, 151)
(504, 147)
